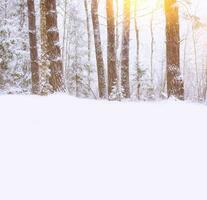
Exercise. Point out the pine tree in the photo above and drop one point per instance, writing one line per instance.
(76, 54)
(15, 70)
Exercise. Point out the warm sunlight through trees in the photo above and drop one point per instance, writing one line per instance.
(107, 49)
(122, 56)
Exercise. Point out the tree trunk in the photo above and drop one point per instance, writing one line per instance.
(98, 48)
(138, 75)
(118, 67)
(125, 49)
(111, 47)
(88, 28)
(65, 16)
(152, 48)
(33, 46)
(53, 48)
(45, 87)
(175, 86)
(43, 30)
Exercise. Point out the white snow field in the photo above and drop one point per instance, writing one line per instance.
(63, 148)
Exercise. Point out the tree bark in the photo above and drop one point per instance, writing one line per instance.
(53, 48)
(138, 75)
(33, 46)
(111, 47)
(43, 30)
(45, 87)
(125, 49)
(88, 30)
(175, 86)
(98, 48)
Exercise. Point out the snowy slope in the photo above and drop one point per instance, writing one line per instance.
(62, 148)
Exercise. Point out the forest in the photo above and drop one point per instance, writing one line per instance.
(104, 49)
(103, 99)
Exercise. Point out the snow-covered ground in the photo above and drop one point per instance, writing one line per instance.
(63, 148)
